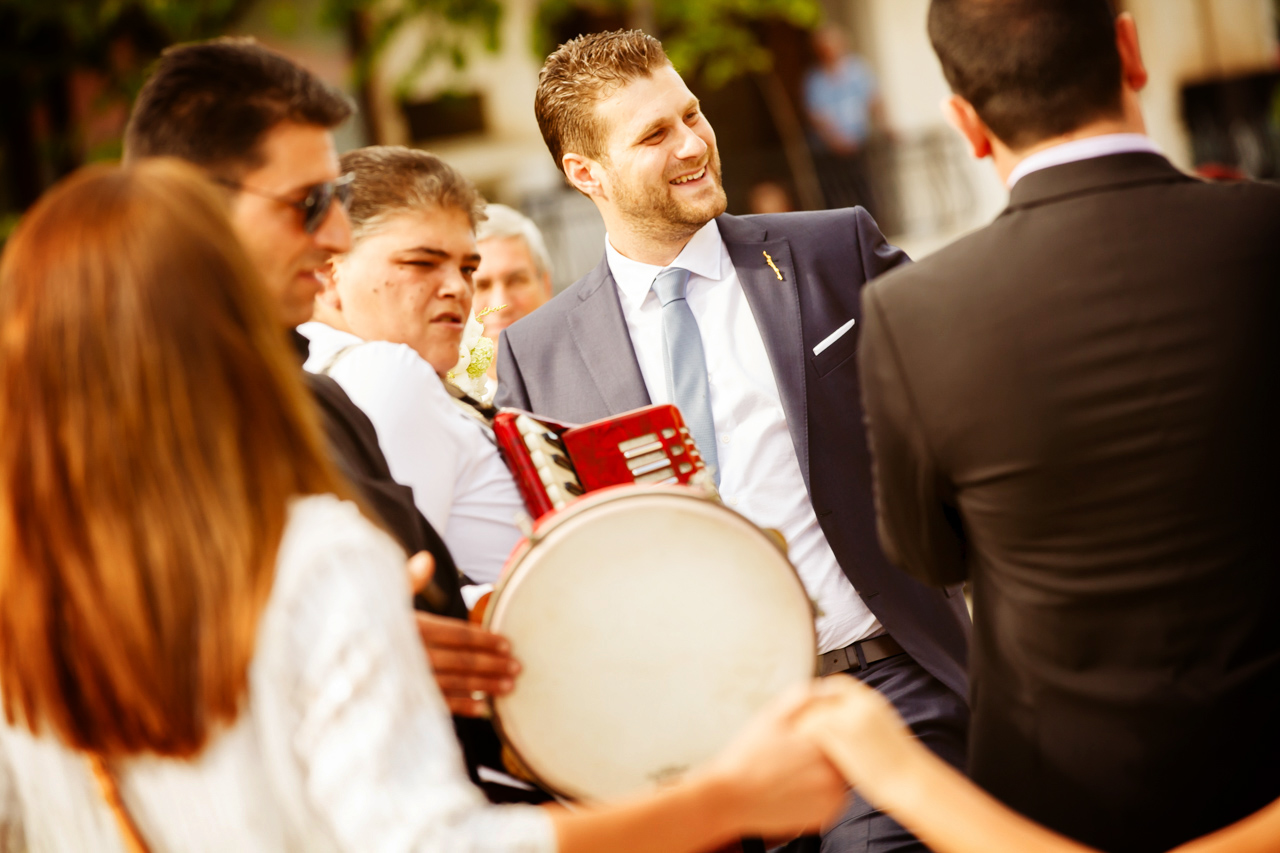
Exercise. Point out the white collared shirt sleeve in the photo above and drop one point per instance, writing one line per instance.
(401, 394)
(459, 480)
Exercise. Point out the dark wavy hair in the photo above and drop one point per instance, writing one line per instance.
(211, 103)
(1033, 69)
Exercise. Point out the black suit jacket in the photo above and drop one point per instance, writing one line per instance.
(1076, 408)
(572, 360)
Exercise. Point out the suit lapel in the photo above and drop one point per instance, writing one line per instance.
(776, 307)
(600, 332)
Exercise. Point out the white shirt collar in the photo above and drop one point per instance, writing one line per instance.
(700, 256)
(326, 336)
(1082, 149)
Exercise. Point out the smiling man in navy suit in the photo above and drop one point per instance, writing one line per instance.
(750, 325)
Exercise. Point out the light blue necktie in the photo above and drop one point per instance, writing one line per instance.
(686, 364)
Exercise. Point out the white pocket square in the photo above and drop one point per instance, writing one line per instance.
(833, 337)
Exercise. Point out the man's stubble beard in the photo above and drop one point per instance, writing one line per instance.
(653, 213)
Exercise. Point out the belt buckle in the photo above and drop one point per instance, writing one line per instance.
(840, 661)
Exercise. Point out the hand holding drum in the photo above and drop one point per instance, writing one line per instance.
(771, 781)
(789, 784)
(467, 661)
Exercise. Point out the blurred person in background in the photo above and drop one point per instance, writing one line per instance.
(202, 645)
(769, 197)
(387, 328)
(842, 101)
(1076, 408)
(515, 271)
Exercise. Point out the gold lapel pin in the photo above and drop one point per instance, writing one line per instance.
(768, 260)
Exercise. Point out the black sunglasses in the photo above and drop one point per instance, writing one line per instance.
(315, 206)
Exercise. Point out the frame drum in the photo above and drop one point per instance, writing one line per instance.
(652, 622)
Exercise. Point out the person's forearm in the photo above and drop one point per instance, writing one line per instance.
(1257, 833)
(691, 818)
(950, 814)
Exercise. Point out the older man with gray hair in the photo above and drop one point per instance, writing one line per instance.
(514, 276)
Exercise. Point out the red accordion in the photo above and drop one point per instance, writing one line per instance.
(553, 463)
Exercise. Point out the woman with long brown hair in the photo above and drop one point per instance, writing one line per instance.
(202, 646)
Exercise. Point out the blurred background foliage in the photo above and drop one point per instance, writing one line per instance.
(718, 40)
(70, 68)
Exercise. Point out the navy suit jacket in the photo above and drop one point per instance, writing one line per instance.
(572, 360)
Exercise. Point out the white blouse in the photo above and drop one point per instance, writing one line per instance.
(344, 743)
(459, 480)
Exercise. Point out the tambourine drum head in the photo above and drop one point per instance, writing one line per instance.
(651, 627)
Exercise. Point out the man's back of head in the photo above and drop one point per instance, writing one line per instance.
(211, 103)
(1032, 69)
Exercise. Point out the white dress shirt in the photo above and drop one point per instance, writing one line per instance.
(344, 742)
(1082, 149)
(760, 473)
(459, 480)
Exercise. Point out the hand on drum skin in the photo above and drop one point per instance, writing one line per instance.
(858, 729)
(466, 659)
(783, 783)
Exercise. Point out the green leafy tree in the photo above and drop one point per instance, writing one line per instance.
(454, 29)
(44, 44)
(49, 48)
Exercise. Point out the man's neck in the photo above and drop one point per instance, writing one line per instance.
(1006, 159)
(652, 248)
(331, 317)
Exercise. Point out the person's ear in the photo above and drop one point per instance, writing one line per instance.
(964, 118)
(1132, 69)
(546, 284)
(584, 174)
(329, 294)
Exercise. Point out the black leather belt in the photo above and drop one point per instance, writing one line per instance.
(857, 655)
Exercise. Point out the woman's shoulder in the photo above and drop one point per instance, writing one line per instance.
(324, 520)
(321, 527)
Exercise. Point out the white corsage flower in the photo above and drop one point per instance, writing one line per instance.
(475, 354)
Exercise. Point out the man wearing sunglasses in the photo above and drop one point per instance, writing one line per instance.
(261, 127)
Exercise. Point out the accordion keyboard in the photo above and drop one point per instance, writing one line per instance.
(546, 452)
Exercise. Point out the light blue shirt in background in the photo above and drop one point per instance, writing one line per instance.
(843, 97)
